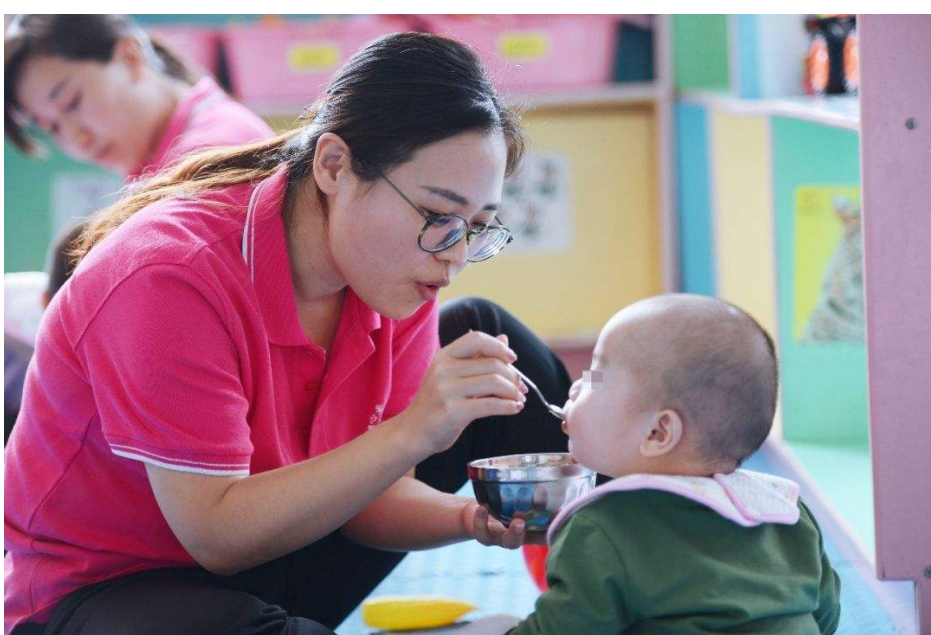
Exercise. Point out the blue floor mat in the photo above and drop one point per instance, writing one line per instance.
(496, 580)
(493, 579)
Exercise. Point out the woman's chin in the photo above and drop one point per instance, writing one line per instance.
(394, 310)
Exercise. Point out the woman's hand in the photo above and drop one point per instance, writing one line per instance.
(490, 531)
(469, 379)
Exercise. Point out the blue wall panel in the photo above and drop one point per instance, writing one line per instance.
(696, 247)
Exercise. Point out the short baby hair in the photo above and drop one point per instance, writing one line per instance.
(720, 373)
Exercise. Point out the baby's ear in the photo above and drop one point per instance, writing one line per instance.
(663, 435)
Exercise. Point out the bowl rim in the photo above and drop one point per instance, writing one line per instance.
(482, 469)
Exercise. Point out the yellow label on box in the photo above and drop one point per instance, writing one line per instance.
(523, 45)
(308, 58)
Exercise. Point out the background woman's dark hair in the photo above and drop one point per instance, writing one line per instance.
(60, 265)
(398, 94)
(72, 37)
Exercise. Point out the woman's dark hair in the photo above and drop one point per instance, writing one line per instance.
(398, 94)
(72, 37)
(60, 264)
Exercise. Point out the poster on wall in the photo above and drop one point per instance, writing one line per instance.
(828, 265)
(535, 205)
(76, 195)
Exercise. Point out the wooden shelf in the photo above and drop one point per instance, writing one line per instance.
(839, 112)
(614, 94)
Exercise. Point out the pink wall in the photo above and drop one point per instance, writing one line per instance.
(895, 67)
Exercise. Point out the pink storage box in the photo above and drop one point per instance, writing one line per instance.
(532, 53)
(195, 45)
(292, 61)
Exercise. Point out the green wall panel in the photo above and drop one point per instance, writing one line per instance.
(700, 52)
(33, 216)
(199, 19)
(823, 384)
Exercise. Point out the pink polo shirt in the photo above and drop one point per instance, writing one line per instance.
(162, 350)
(206, 117)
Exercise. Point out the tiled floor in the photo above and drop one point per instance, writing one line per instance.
(496, 581)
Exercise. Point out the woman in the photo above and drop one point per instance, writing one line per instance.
(232, 395)
(109, 95)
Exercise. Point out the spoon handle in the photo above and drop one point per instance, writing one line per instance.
(556, 411)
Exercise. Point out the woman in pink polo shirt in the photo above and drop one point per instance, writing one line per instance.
(109, 95)
(239, 406)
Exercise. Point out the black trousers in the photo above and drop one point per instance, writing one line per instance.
(312, 590)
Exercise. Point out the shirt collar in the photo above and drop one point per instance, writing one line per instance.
(203, 90)
(273, 282)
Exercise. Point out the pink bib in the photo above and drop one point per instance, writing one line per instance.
(747, 498)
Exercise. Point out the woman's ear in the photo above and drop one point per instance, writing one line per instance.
(331, 157)
(663, 435)
(128, 51)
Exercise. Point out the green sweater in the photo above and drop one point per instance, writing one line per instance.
(650, 562)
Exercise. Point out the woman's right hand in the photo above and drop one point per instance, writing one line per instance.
(469, 379)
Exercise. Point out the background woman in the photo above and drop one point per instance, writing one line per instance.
(108, 94)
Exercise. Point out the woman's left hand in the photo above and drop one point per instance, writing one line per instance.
(490, 531)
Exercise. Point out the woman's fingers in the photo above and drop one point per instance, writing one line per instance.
(483, 377)
(487, 366)
(512, 537)
(480, 529)
(478, 344)
(469, 379)
(490, 531)
(490, 407)
(491, 386)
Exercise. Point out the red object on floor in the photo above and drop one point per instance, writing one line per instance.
(535, 558)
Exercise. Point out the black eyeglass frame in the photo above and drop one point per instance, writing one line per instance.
(433, 218)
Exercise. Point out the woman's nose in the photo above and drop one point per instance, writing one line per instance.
(77, 138)
(456, 255)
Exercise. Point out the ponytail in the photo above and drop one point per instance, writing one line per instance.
(197, 173)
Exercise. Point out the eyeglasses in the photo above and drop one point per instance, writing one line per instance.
(442, 231)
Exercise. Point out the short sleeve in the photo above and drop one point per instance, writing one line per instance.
(165, 374)
(414, 345)
(587, 581)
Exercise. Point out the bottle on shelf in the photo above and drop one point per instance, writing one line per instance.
(832, 62)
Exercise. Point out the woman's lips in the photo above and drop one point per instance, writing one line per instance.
(431, 288)
(427, 291)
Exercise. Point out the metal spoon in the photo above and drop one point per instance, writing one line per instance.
(556, 411)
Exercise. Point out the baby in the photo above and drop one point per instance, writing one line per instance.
(682, 389)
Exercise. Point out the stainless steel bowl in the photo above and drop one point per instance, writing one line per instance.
(529, 486)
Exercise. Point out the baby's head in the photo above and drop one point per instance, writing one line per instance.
(679, 384)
